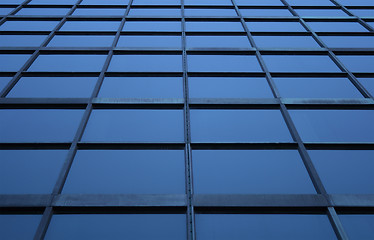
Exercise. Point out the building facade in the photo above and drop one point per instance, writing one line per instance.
(187, 119)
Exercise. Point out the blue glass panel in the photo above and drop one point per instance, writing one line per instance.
(316, 88)
(207, 2)
(371, 24)
(210, 87)
(127, 172)
(285, 42)
(263, 226)
(363, 12)
(265, 12)
(300, 63)
(135, 125)
(358, 227)
(217, 42)
(321, 13)
(336, 27)
(68, 63)
(90, 26)
(38, 125)
(146, 63)
(223, 63)
(250, 172)
(25, 171)
(310, 2)
(5, 11)
(334, 125)
(358, 63)
(28, 25)
(99, 11)
(275, 27)
(150, 41)
(53, 87)
(345, 171)
(43, 11)
(4, 81)
(348, 41)
(18, 226)
(81, 41)
(158, 2)
(368, 84)
(238, 126)
(11, 1)
(59, 2)
(165, 26)
(118, 226)
(356, 2)
(165, 12)
(12, 62)
(259, 3)
(106, 2)
(21, 40)
(142, 87)
(210, 12)
(214, 26)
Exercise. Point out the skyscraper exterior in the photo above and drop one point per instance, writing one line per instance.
(187, 119)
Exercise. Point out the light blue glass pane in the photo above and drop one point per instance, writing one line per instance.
(127, 172)
(371, 24)
(11, 1)
(321, 13)
(158, 2)
(118, 226)
(155, 12)
(300, 63)
(250, 172)
(265, 12)
(4, 81)
(345, 171)
(53, 2)
(363, 12)
(368, 84)
(358, 227)
(285, 42)
(210, 87)
(81, 41)
(275, 27)
(223, 63)
(12, 62)
(135, 126)
(99, 11)
(336, 27)
(106, 2)
(210, 12)
(263, 226)
(21, 40)
(24, 171)
(310, 2)
(53, 87)
(5, 11)
(356, 2)
(152, 26)
(28, 25)
(316, 88)
(208, 2)
(238, 126)
(358, 63)
(214, 26)
(18, 226)
(150, 41)
(348, 41)
(138, 87)
(259, 3)
(146, 63)
(90, 26)
(334, 125)
(38, 125)
(217, 42)
(43, 11)
(68, 63)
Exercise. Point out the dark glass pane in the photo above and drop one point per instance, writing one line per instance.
(265, 12)
(285, 42)
(263, 226)
(310, 2)
(81, 41)
(12, 62)
(356, 63)
(368, 84)
(127, 172)
(43, 11)
(207, 2)
(106, 2)
(336, 27)
(138, 87)
(334, 125)
(218, 42)
(345, 171)
(21, 40)
(250, 172)
(118, 226)
(165, 12)
(238, 126)
(209, 87)
(29, 171)
(99, 11)
(223, 63)
(140, 26)
(38, 125)
(150, 41)
(53, 87)
(210, 12)
(90, 26)
(259, 3)
(214, 26)
(316, 88)
(135, 125)
(275, 27)
(358, 227)
(18, 226)
(348, 41)
(28, 25)
(146, 63)
(4, 81)
(321, 13)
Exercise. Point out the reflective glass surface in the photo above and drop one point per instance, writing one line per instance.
(165, 26)
(358, 63)
(214, 26)
(4, 81)
(368, 84)
(166, 12)
(18, 226)
(259, 2)
(348, 41)
(5, 11)
(358, 226)
(146, 63)
(21, 40)
(81, 41)
(356, 2)
(208, 2)
(223, 63)
(106, 2)
(158, 2)
(336, 27)
(12, 62)
(321, 13)
(99, 11)
(210, 12)
(90, 26)
(285, 42)
(217, 42)
(265, 12)
(363, 12)
(53, 2)
(28, 25)
(275, 27)
(150, 41)
(43, 11)
(310, 2)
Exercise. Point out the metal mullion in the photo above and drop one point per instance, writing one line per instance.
(15, 10)
(336, 223)
(44, 223)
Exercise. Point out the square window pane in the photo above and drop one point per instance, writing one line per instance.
(210, 12)
(250, 172)
(266, 12)
(28, 25)
(39, 125)
(99, 11)
(140, 26)
(348, 41)
(90, 26)
(18, 226)
(81, 41)
(238, 126)
(53, 87)
(217, 42)
(142, 87)
(207, 2)
(135, 126)
(334, 125)
(356, 63)
(150, 41)
(259, 3)
(214, 27)
(164, 12)
(275, 27)
(336, 27)
(223, 63)
(4, 81)
(321, 13)
(21, 40)
(106, 2)
(25, 171)
(127, 172)
(146, 63)
(12, 62)
(68, 63)
(43, 11)
(222, 87)
(285, 42)
(368, 84)
(358, 226)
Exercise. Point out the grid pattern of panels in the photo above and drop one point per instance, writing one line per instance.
(186, 119)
